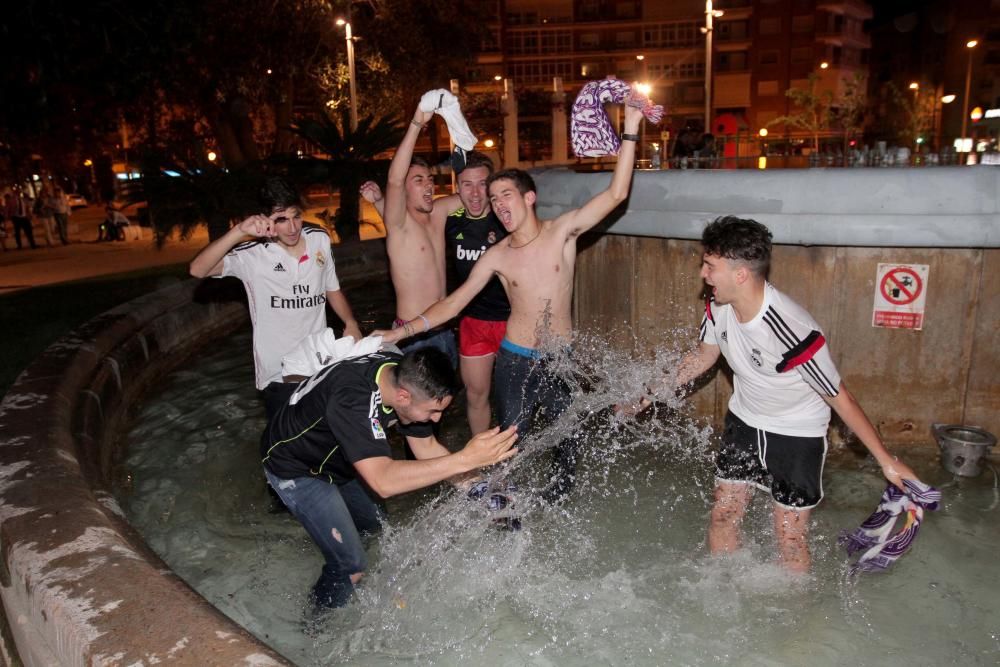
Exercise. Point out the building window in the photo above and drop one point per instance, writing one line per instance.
(590, 40)
(766, 88)
(801, 55)
(804, 23)
(769, 57)
(626, 9)
(732, 61)
(770, 26)
(625, 39)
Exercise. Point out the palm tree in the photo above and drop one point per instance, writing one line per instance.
(350, 159)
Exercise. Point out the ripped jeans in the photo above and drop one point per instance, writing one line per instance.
(335, 517)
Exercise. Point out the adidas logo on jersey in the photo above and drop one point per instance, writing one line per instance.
(279, 267)
(460, 237)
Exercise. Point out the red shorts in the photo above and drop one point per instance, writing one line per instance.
(478, 338)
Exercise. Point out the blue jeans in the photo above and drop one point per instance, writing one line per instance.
(335, 517)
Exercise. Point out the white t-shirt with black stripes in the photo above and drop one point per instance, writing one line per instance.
(287, 296)
(781, 365)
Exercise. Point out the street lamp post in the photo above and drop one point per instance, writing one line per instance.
(938, 117)
(710, 14)
(350, 72)
(971, 44)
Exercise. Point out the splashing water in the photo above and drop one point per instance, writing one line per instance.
(615, 574)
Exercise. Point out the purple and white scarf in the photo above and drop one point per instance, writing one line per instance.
(882, 548)
(590, 127)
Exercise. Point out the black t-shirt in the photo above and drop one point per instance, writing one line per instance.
(333, 420)
(468, 238)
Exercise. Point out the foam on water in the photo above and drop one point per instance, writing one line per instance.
(617, 574)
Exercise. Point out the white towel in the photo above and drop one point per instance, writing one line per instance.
(317, 351)
(446, 105)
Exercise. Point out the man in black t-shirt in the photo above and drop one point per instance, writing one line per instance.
(469, 232)
(322, 448)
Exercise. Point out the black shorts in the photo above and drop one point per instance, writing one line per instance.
(790, 467)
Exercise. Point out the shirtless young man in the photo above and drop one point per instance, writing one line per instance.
(535, 264)
(414, 225)
(471, 229)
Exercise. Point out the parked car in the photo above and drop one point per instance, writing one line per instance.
(76, 200)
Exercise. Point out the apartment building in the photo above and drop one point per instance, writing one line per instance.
(760, 49)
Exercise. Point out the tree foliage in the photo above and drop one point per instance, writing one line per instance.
(158, 79)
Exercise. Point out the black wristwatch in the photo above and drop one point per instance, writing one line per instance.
(630, 137)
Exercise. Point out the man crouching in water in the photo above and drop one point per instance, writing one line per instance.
(328, 443)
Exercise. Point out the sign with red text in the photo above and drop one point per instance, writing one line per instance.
(900, 295)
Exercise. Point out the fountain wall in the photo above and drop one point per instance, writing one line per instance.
(79, 586)
(832, 228)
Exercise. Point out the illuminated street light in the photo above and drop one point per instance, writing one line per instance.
(644, 88)
(763, 132)
(640, 57)
(914, 86)
(497, 77)
(947, 99)
(350, 72)
(489, 143)
(971, 44)
(212, 156)
(88, 163)
(824, 65)
(710, 14)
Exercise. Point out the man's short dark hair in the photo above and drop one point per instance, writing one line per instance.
(474, 159)
(428, 373)
(417, 161)
(522, 180)
(277, 193)
(739, 239)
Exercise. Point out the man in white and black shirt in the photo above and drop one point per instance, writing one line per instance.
(288, 271)
(785, 383)
(327, 444)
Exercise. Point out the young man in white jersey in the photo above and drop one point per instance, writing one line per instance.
(785, 383)
(287, 269)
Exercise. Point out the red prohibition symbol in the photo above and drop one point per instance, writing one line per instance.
(901, 286)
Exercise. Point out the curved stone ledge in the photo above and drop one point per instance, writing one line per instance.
(79, 586)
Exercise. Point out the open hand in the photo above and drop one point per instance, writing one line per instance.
(489, 447)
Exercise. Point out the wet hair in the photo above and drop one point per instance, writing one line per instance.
(474, 159)
(417, 161)
(277, 193)
(522, 180)
(428, 373)
(739, 239)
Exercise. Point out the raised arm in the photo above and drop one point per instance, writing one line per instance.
(394, 213)
(388, 477)
(450, 306)
(443, 206)
(208, 262)
(598, 208)
(845, 405)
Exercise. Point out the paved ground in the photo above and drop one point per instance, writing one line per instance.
(83, 258)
